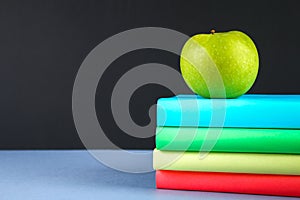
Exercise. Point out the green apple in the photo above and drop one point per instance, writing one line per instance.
(219, 65)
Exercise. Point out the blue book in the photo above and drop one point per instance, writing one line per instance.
(248, 111)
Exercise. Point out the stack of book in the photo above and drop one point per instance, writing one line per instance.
(252, 146)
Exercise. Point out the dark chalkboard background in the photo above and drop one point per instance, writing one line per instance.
(42, 44)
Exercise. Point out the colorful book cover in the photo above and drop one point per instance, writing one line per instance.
(250, 111)
(281, 185)
(229, 139)
(256, 163)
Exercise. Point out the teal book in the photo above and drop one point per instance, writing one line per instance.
(247, 111)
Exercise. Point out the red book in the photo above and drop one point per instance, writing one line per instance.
(280, 185)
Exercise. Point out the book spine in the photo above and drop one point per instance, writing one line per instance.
(233, 113)
(255, 163)
(280, 185)
(229, 139)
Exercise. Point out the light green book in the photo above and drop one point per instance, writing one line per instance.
(288, 164)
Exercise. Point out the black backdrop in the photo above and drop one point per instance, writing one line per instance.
(44, 42)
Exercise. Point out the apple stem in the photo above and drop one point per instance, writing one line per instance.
(212, 31)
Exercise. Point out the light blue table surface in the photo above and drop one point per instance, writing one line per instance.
(73, 175)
